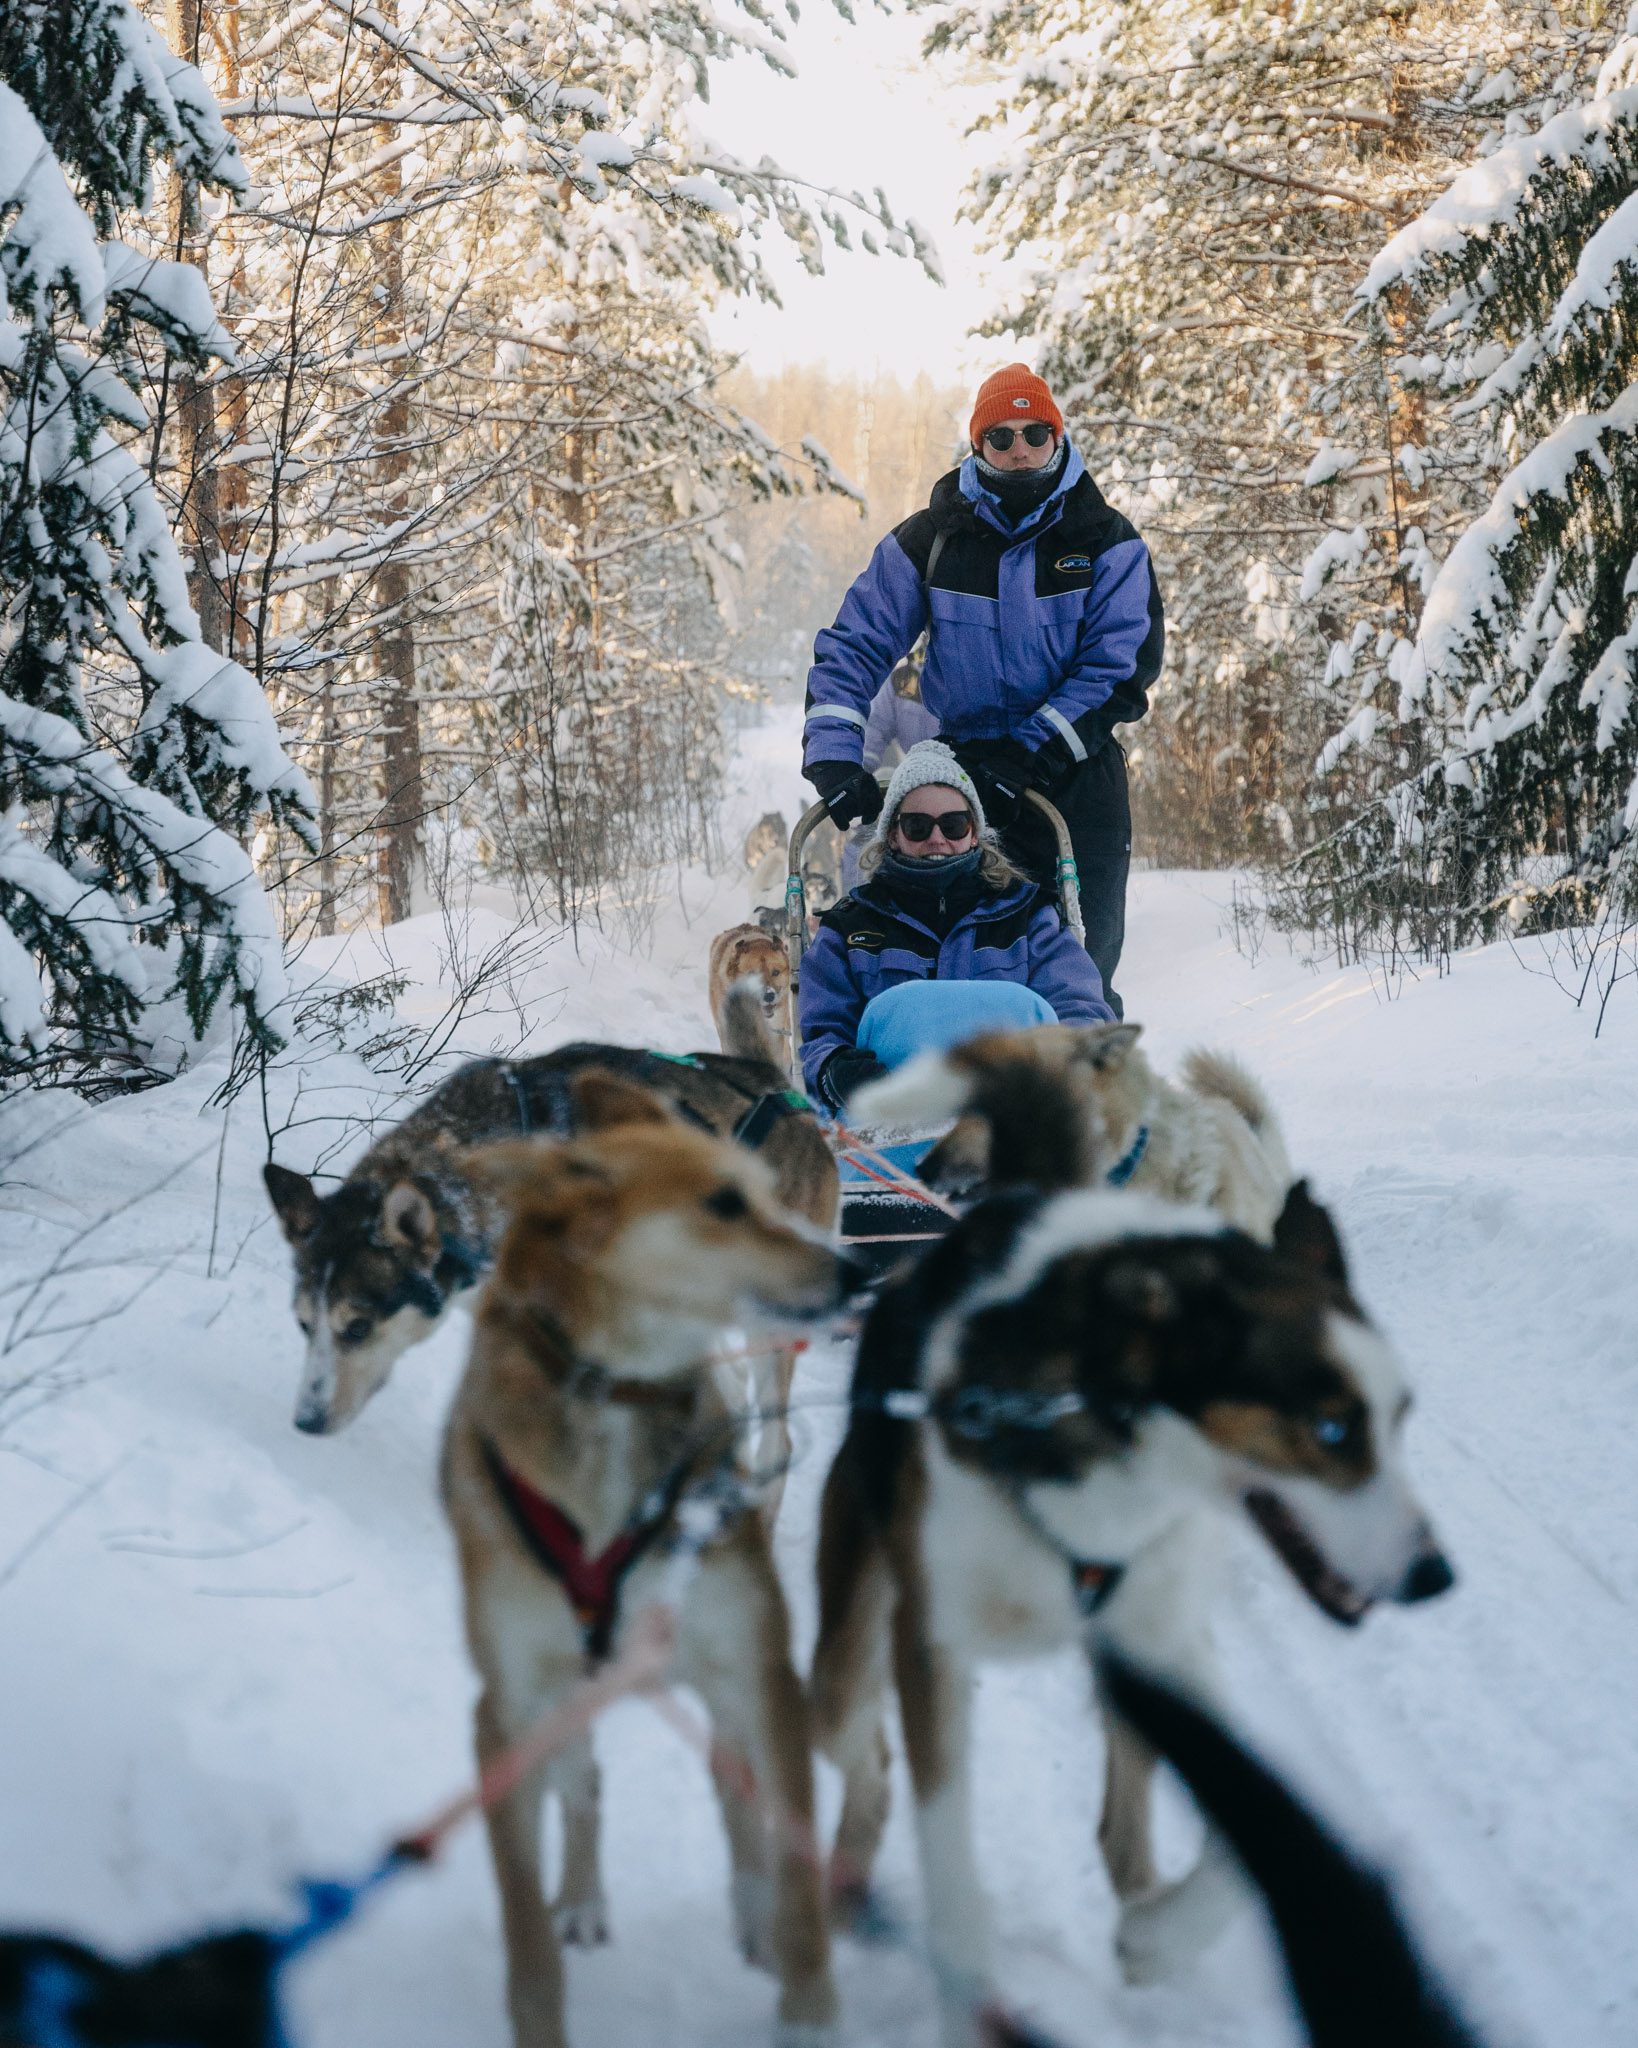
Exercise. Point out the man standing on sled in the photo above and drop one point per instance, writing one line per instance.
(1044, 633)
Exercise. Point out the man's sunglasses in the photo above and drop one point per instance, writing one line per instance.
(918, 825)
(1037, 434)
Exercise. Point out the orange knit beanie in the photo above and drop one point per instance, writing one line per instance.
(1015, 393)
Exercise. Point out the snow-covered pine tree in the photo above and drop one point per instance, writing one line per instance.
(133, 759)
(1513, 702)
(1186, 194)
(451, 196)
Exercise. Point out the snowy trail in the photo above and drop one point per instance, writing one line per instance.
(231, 1653)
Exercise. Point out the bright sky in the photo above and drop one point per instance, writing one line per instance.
(859, 114)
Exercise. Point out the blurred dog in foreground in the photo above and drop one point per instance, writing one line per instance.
(1354, 1969)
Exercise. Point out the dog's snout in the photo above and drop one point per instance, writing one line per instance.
(1431, 1575)
(312, 1415)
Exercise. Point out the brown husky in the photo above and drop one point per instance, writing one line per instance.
(379, 1259)
(585, 1417)
(743, 951)
(1047, 1409)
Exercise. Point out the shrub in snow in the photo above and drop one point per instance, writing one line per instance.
(1512, 703)
(133, 759)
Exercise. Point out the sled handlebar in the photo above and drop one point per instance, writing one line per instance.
(796, 895)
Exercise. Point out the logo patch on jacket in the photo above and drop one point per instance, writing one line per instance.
(1072, 565)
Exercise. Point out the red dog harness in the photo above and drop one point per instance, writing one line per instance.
(592, 1583)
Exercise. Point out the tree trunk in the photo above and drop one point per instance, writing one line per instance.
(195, 394)
(398, 841)
(233, 400)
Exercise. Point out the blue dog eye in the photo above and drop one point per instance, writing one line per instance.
(1332, 1431)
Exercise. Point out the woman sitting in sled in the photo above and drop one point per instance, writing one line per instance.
(943, 939)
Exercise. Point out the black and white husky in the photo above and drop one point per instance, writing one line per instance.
(1046, 1412)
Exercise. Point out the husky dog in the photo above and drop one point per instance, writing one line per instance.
(766, 841)
(1046, 1408)
(218, 1992)
(584, 1418)
(822, 871)
(379, 1258)
(1354, 1969)
(742, 952)
(1214, 1139)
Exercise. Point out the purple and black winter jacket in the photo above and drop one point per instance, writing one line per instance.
(872, 941)
(1047, 631)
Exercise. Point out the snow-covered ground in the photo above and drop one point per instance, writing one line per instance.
(230, 1652)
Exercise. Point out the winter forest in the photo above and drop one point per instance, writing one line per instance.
(449, 449)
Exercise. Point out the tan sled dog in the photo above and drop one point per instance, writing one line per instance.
(1211, 1139)
(586, 1417)
(742, 953)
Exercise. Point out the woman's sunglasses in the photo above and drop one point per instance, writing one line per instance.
(918, 825)
(1037, 434)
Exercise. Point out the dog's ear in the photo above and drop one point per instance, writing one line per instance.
(1107, 1046)
(295, 1201)
(519, 1167)
(603, 1100)
(409, 1220)
(556, 1193)
(1304, 1232)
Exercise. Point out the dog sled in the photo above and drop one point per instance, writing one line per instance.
(886, 1210)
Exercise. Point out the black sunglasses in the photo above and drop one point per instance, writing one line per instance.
(918, 825)
(1037, 434)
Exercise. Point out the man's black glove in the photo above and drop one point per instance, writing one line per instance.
(847, 791)
(1001, 770)
(1054, 764)
(845, 1071)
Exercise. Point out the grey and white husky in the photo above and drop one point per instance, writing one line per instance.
(380, 1258)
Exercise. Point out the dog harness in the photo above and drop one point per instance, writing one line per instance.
(757, 1124)
(592, 1581)
(766, 1110)
(976, 1412)
(1092, 1581)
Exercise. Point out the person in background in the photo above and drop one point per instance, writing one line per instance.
(944, 938)
(898, 720)
(1045, 632)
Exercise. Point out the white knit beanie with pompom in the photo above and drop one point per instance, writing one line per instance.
(928, 761)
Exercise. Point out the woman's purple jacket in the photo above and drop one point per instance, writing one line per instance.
(870, 941)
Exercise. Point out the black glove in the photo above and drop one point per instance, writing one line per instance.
(1054, 764)
(847, 791)
(1001, 770)
(844, 1072)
